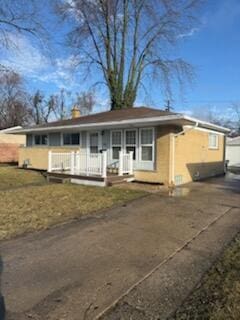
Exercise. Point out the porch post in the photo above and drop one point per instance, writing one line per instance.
(131, 162)
(120, 169)
(104, 164)
(87, 157)
(72, 162)
(50, 161)
(77, 164)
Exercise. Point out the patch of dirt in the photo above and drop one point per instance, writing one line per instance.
(147, 187)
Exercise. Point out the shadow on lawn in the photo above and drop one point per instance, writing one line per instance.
(2, 304)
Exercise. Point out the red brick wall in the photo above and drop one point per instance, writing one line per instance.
(9, 152)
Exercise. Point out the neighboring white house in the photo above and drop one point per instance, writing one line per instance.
(233, 151)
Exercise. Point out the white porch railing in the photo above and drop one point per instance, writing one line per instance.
(94, 164)
(89, 164)
(125, 163)
(79, 163)
(59, 161)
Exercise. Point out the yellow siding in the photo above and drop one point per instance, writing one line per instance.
(38, 156)
(161, 174)
(193, 158)
(13, 138)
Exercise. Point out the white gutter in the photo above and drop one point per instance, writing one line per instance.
(140, 121)
(174, 136)
(207, 124)
(103, 124)
(11, 129)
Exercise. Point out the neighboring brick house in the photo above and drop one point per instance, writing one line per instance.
(146, 144)
(9, 145)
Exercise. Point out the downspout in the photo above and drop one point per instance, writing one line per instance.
(174, 136)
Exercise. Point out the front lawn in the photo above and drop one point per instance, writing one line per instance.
(218, 298)
(13, 177)
(27, 208)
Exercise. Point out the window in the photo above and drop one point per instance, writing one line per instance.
(40, 139)
(93, 142)
(213, 141)
(71, 139)
(116, 144)
(146, 144)
(131, 141)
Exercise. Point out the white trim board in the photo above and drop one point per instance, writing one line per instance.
(204, 130)
(153, 121)
(89, 182)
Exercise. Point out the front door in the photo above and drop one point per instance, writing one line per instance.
(94, 142)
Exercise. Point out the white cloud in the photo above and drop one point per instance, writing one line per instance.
(187, 112)
(32, 64)
(188, 34)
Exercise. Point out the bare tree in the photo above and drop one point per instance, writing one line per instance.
(18, 17)
(61, 106)
(129, 40)
(42, 108)
(85, 101)
(207, 113)
(235, 109)
(14, 107)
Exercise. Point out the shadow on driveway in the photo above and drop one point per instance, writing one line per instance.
(2, 304)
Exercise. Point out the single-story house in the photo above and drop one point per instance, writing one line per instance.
(10, 143)
(140, 143)
(233, 151)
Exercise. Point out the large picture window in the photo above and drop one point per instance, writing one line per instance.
(71, 139)
(146, 144)
(116, 144)
(131, 142)
(40, 139)
(213, 141)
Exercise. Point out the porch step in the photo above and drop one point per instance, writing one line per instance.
(56, 179)
(114, 179)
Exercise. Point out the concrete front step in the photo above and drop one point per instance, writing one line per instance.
(112, 180)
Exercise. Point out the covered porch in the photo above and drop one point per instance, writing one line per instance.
(84, 167)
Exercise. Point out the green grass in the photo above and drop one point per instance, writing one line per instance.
(12, 177)
(218, 297)
(30, 208)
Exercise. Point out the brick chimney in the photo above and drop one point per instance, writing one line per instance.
(75, 112)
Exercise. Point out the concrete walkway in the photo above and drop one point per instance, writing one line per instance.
(139, 260)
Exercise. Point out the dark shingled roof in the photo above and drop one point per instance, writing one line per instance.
(108, 116)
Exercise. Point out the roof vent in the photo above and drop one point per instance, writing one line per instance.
(75, 112)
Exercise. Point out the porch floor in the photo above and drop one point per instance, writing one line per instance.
(66, 176)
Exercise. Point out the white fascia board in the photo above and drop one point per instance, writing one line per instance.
(122, 123)
(141, 121)
(206, 124)
(205, 130)
(10, 130)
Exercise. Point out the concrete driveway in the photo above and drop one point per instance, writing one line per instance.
(135, 254)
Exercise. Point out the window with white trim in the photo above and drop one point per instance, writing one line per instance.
(93, 137)
(116, 144)
(41, 139)
(71, 139)
(146, 144)
(213, 141)
(131, 142)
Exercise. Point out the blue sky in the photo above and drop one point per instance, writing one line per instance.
(213, 49)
